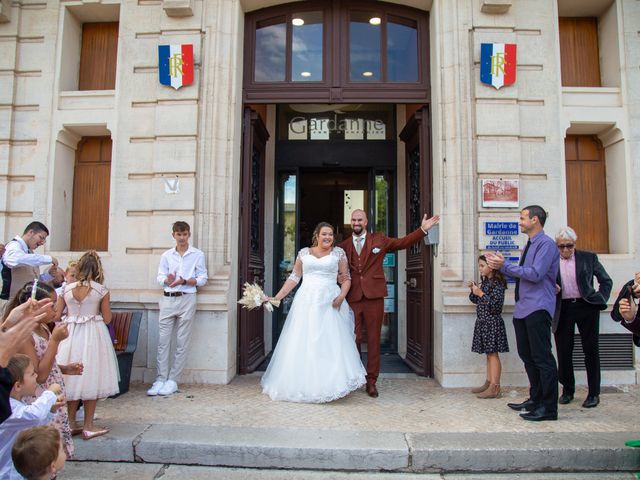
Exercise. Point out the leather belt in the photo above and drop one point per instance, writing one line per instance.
(173, 294)
(571, 300)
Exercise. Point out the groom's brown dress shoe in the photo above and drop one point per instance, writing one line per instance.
(372, 391)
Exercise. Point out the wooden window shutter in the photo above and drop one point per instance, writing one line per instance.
(579, 56)
(91, 193)
(98, 56)
(587, 192)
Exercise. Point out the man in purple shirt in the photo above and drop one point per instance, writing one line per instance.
(535, 296)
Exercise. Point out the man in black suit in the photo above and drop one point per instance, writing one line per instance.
(578, 303)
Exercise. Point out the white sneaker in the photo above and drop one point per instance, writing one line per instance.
(168, 388)
(155, 388)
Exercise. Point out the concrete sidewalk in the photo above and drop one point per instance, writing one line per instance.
(414, 426)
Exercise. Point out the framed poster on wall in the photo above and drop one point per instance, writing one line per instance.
(500, 193)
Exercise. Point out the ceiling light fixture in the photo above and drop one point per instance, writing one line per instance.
(298, 22)
(367, 74)
(375, 21)
(305, 74)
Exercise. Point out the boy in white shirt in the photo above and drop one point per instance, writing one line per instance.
(24, 416)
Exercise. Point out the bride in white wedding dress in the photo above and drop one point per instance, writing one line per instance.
(316, 359)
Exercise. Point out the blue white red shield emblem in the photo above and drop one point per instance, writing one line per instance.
(175, 65)
(498, 64)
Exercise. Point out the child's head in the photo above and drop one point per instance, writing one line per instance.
(89, 268)
(43, 290)
(23, 376)
(37, 453)
(487, 272)
(70, 274)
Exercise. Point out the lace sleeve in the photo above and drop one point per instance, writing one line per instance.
(296, 273)
(343, 263)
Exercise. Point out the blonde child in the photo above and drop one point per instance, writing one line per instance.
(489, 335)
(88, 313)
(23, 416)
(38, 454)
(42, 349)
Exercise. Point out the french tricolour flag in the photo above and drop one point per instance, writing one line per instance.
(175, 65)
(498, 64)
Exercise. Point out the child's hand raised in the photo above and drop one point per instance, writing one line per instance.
(60, 332)
(60, 401)
(55, 388)
(72, 368)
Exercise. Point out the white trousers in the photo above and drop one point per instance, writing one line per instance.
(175, 312)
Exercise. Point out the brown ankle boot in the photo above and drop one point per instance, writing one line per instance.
(481, 388)
(492, 392)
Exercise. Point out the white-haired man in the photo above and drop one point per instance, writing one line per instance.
(579, 303)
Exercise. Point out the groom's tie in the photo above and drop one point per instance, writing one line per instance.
(358, 245)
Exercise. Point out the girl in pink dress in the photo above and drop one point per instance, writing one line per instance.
(87, 315)
(42, 349)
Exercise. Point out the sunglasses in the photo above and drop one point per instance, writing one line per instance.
(568, 246)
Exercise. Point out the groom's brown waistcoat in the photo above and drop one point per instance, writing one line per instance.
(367, 275)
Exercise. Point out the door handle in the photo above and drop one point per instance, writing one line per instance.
(413, 283)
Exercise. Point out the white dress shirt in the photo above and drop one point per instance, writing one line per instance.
(17, 254)
(23, 416)
(355, 240)
(189, 265)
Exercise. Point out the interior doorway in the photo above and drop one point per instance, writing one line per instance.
(331, 160)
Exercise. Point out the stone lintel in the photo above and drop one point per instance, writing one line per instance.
(178, 8)
(496, 6)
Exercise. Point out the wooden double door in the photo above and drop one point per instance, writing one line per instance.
(418, 273)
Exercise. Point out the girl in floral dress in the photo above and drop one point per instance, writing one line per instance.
(42, 349)
(489, 335)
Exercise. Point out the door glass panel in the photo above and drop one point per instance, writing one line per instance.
(383, 222)
(402, 50)
(271, 40)
(306, 47)
(364, 47)
(286, 247)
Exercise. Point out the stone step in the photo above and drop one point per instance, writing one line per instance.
(314, 449)
(152, 471)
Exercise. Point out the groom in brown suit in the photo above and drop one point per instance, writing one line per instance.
(366, 252)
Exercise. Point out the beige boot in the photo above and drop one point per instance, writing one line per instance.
(492, 392)
(481, 388)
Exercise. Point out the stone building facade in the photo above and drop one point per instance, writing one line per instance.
(177, 154)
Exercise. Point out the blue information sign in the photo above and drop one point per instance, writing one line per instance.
(501, 228)
(389, 260)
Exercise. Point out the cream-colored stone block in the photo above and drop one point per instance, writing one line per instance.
(23, 159)
(536, 154)
(140, 123)
(6, 119)
(33, 56)
(7, 85)
(136, 157)
(39, 22)
(138, 18)
(175, 155)
(7, 54)
(537, 85)
(497, 119)
(32, 90)
(20, 195)
(177, 119)
(26, 124)
(536, 49)
(498, 155)
(135, 194)
(535, 121)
